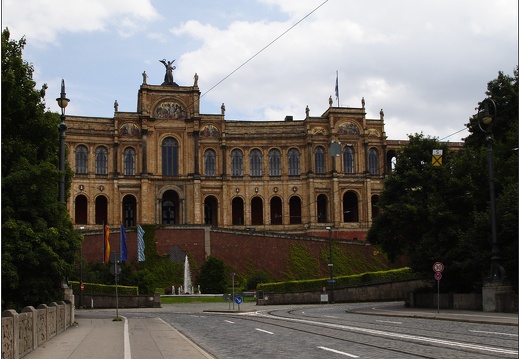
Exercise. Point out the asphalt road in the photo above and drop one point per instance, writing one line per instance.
(332, 331)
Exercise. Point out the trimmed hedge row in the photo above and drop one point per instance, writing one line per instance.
(343, 281)
(94, 288)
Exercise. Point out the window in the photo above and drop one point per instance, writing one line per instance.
(348, 160)
(236, 163)
(170, 157)
(275, 163)
(294, 162)
(129, 162)
(319, 160)
(373, 162)
(210, 163)
(255, 158)
(81, 160)
(101, 161)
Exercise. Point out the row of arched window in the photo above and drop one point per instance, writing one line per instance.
(170, 161)
(170, 207)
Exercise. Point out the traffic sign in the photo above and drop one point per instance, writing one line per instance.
(82, 287)
(438, 267)
(437, 276)
(238, 300)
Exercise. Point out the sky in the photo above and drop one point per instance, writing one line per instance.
(425, 63)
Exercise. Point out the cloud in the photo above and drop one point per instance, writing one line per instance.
(49, 18)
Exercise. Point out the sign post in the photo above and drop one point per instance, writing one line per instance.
(438, 267)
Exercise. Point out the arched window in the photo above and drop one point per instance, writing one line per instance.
(81, 210)
(101, 210)
(321, 207)
(275, 163)
(257, 211)
(81, 160)
(350, 207)
(170, 157)
(373, 162)
(237, 211)
(129, 211)
(319, 160)
(295, 210)
(101, 161)
(236, 163)
(348, 159)
(276, 210)
(129, 161)
(294, 162)
(210, 163)
(255, 160)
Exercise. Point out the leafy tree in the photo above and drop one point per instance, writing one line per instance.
(212, 277)
(39, 244)
(442, 213)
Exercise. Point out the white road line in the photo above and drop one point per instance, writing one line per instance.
(497, 333)
(389, 321)
(264, 331)
(127, 351)
(417, 338)
(338, 352)
(229, 321)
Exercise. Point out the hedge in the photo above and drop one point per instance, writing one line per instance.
(341, 282)
(94, 288)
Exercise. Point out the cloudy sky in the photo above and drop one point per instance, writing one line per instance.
(425, 63)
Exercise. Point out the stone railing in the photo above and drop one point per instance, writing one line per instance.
(23, 332)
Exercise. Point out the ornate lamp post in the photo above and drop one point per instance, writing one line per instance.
(63, 101)
(486, 116)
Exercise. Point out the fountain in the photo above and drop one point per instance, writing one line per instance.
(187, 278)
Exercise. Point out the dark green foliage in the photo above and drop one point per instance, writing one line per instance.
(443, 213)
(39, 245)
(212, 277)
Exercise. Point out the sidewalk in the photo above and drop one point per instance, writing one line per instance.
(148, 338)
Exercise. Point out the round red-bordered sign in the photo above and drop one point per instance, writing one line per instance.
(437, 276)
(438, 267)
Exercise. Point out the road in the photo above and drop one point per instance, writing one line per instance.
(331, 331)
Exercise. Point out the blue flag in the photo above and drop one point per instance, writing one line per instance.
(122, 244)
(140, 244)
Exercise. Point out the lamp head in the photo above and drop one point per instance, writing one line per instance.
(486, 114)
(63, 101)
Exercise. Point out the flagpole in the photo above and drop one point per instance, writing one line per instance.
(337, 87)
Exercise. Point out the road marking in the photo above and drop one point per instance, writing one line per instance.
(127, 351)
(498, 333)
(229, 321)
(338, 352)
(389, 321)
(330, 316)
(401, 336)
(264, 331)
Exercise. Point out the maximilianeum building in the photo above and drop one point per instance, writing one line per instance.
(168, 164)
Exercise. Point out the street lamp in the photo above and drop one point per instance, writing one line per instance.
(63, 101)
(331, 280)
(486, 116)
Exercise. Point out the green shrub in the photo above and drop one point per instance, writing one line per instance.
(94, 288)
(341, 281)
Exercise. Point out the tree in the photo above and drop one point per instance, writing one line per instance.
(212, 277)
(442, 213)
(39, 245)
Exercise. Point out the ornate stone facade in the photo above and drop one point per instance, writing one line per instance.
(169, 164)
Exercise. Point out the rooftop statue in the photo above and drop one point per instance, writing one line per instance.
(168, 77)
